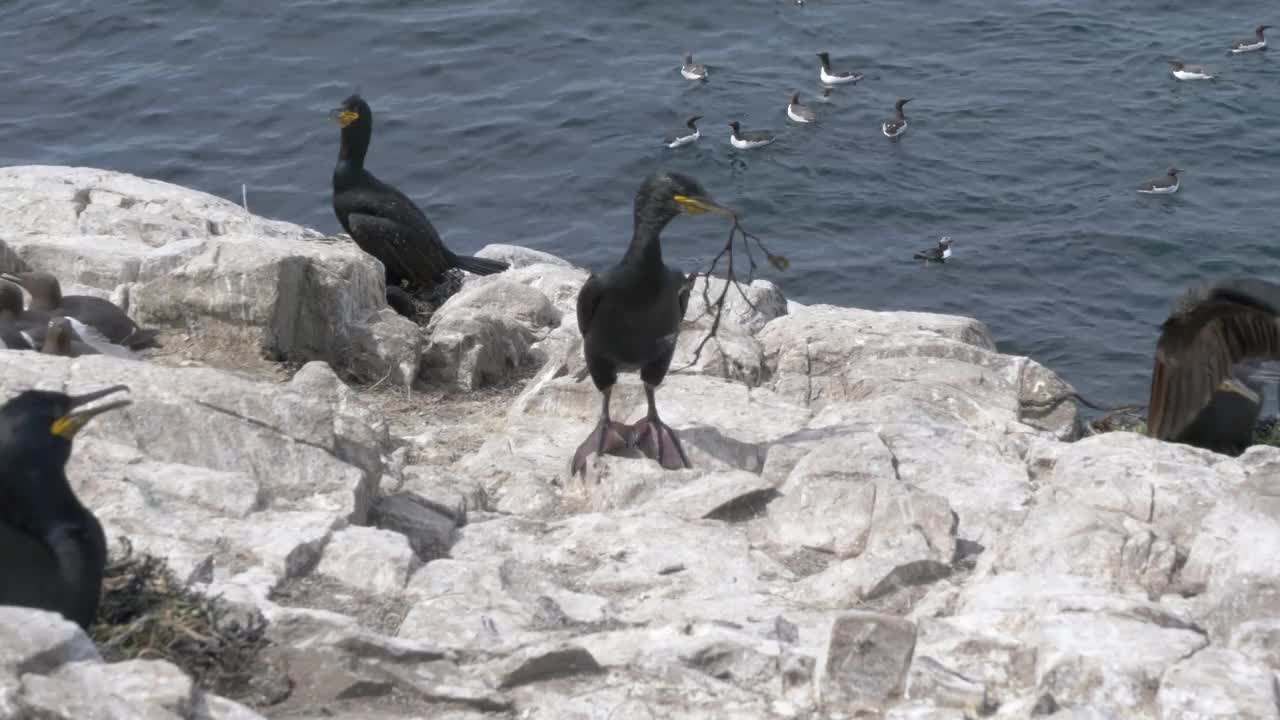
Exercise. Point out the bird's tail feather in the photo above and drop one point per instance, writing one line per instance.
(479, 265)
(142, 338)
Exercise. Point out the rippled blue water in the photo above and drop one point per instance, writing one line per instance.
(533, 123)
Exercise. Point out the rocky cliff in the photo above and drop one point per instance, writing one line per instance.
(886, 517)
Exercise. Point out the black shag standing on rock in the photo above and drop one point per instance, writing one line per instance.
(52, 548)
(384, 222)
(1206, 388)
(630, 318)
(114, 324)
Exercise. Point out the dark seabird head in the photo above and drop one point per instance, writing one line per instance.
(356, 120)
(736, 128)
(901, 102)
(44, 422)
(795, 98)
(46, 292)
(1258, 30)
(688, 58)
(353, 111)
(692, 122)
(57, 339)
(826, 60)
(1177, 64)
(1173, 171)
(10, 300)
(945, 242)
(664, 195)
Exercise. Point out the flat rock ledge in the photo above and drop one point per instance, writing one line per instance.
(884, 520)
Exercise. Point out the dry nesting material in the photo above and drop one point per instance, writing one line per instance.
(147, 614)
(727, 253)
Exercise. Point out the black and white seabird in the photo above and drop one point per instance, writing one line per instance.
(800, 113)
(675, 141)
(834, 77)
(692, 70)
(896, 125)
(89, 315)
(939, 253)
(52, 548)
(1257, 42)
(1161, 185)
(11, 335)
(384, 222)
(750, 139)
(1183, 71)
(630, 317)
(1206, 382)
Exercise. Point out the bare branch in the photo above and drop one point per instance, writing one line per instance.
(779, 262)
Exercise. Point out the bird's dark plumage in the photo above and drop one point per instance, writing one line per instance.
(383, 221)
(630, 319)
(1211, 330)
(11, 336)
(102, 315)
(52, 548)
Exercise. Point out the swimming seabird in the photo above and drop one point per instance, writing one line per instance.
(675, 141)
(938, 253)
(383, 221)
(896, 125)
(798, 112)
(91, 317)
(834, 77)
(1257, 42)
(1161, 185)
(1207, 360)
(630, 318)
(52, 548)
(750, 139)
(1183, 71)
(692, 70)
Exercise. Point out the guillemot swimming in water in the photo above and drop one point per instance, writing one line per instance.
(1257, 42)
(834, 77)
(1183, 71)
(941, 253)
(750, 139)
(1161, 185)
(896, 125)
(798, 112)
(675, 141)
(692, 70)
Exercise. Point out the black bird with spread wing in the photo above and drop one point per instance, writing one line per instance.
(630, 318)
(383, 221)
(52, 548)
(1206, 387)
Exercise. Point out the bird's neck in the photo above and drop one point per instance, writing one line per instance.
(352, 150)
(645, 249)
(81, 552)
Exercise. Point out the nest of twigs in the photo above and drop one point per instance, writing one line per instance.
(732, 280)
(148, 614)
(423, 302)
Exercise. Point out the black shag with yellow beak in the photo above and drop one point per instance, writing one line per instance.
(52, 548)
(630, 318)
(383, 221)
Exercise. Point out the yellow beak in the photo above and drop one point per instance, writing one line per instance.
(695, 205)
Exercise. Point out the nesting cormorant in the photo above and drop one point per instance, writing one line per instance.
(52, 548)
(1201, 394)
(630, 318)
(384, 222)
(103, 316)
